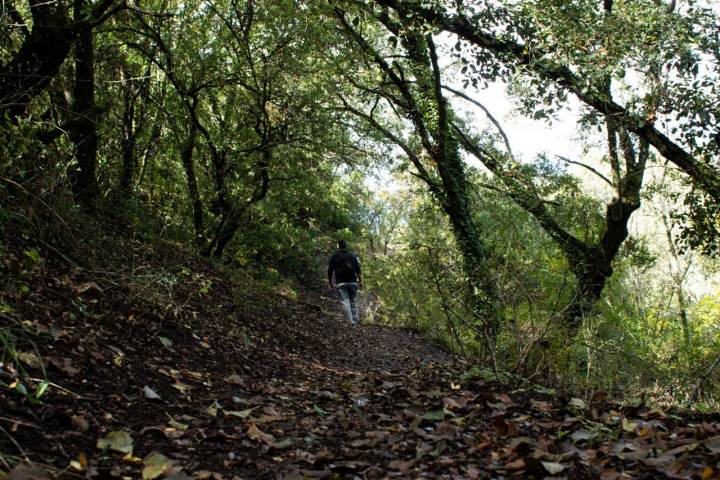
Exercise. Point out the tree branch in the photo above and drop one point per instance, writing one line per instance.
(588, 167)
(703, 173)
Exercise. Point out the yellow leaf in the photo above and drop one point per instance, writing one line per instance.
(156, 464)
(260, 436)
(212, 409)
(119, 441)
(241, 413)
(628, 426)
(175, 424)
(181, 386)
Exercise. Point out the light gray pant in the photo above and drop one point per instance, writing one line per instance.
(348, 293)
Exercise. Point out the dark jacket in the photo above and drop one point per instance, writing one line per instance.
(345, 266)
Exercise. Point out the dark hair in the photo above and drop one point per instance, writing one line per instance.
(342, 244)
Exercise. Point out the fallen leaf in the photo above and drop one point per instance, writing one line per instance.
(235, 379)
(628, 426)
(518, 464)
(120, 441)
(453, 404)
(178, 476)
(240, 413)
(401, 465)
(712, 444)
(434, 415)
(89, 290)
(582, 434)
(155, 464)
(553, 468)
(80, 423)
(30, 359)
(175, 424)
(283, 444)
(500, 426)
(577, 403)
(63, 364)
(213, 409)
(28, 472)
(202, 474)
(150, 393)
(609, 474)
(181, 386)
(167, 343)
(260, 436)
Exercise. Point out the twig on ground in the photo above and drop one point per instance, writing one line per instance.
(20, 422)
(17, 445)
(80, 397)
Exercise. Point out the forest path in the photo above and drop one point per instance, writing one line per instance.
(228, 382)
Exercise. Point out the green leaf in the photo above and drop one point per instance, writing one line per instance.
(434, 415)
(33, 255)
(239, 413)
(41, 388)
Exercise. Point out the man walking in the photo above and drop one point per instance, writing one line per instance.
(345, 276)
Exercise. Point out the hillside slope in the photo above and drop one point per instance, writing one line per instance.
(166, 366)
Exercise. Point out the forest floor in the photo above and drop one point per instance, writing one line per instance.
(166, 367)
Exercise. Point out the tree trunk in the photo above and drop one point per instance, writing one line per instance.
(231, 221)
(193, 191)
(83, 131)
(456, 204)
(594, 268)
(591, 277)
(38, 60)
(226, 233)
(129, 163)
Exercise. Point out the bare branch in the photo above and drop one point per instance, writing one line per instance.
(587, 167)
(487, 113)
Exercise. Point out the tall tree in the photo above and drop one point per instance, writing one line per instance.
(82, 128)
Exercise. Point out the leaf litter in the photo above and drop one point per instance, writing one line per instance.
(302, 396)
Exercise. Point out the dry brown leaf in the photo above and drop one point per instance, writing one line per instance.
(401, 465)
(80, 423)
(26, 471)
(518, 464)
(89, 290)
(260, 436)
(712, 444)
(63, 364)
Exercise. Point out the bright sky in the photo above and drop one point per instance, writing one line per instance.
(527, 137)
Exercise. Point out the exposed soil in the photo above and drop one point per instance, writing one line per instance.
(229, 380)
